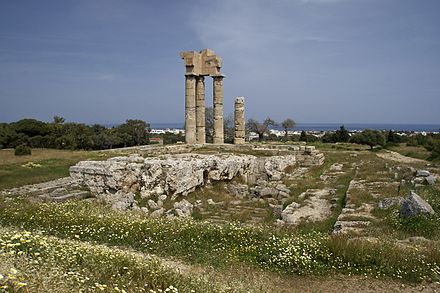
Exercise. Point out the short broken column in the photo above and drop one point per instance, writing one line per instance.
(190, 109)
(200, 110)
(218, 109)
(239, 134)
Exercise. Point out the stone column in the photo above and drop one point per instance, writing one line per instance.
(200, 110)
(190, 109)
(218, 109)
(239, 136)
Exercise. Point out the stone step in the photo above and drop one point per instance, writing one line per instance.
(69, 196)
(252, 213)
(365, 217)
(76, 194)
(241, 208)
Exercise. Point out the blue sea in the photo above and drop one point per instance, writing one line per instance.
(334, 126)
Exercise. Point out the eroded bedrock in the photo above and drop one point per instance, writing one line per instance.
(174, 174)
(180, 174)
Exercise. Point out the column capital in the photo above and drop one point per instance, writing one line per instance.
(218, 76)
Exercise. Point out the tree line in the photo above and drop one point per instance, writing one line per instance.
(60, 134)
(370, 137)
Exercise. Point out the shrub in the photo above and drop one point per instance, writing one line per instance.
(22, 150)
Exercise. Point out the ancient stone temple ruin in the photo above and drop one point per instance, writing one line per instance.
(198, 65)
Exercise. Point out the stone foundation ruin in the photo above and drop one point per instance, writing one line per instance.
(177, 174)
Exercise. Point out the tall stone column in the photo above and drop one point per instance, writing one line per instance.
(190, 109)
(239, 135)
(218, 109)
(200, 110)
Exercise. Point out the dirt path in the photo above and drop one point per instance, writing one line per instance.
(396, 157)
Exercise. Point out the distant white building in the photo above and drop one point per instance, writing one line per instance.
(168, 130)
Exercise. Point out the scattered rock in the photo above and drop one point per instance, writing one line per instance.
(430, 180)
(268, 192)
(389, 202)
(210, 201)
(183, 208)
(282, 188)
(414, 205)
(157, 213)
(336, 167)
(422, 173)
(152, 204)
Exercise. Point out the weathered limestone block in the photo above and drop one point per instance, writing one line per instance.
(205, 62)
(119, 173)
(275, 165)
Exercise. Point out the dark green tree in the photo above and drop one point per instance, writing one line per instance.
(30, 127)
(392, 137)
(134, 132)
(342, 135)
(369, 137)
(303, 136)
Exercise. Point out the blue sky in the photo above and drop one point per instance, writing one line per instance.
(334, 61)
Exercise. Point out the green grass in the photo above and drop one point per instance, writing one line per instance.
(49, 165)
(27, 257)
(401, 228)
(287, 253)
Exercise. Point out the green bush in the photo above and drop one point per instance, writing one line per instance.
(22, 150)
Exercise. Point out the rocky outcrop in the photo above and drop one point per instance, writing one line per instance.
(414, 205)
(170, 175)
(315, 208)
(175, 175)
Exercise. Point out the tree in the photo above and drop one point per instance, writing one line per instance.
(134, 132)
(58, 120)
(342, 135)
(229, 129)
(369, 137)
(209, 124)
(260, 128)
(392, 137)
(287, 124)
(303, 136)
(30, 127)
